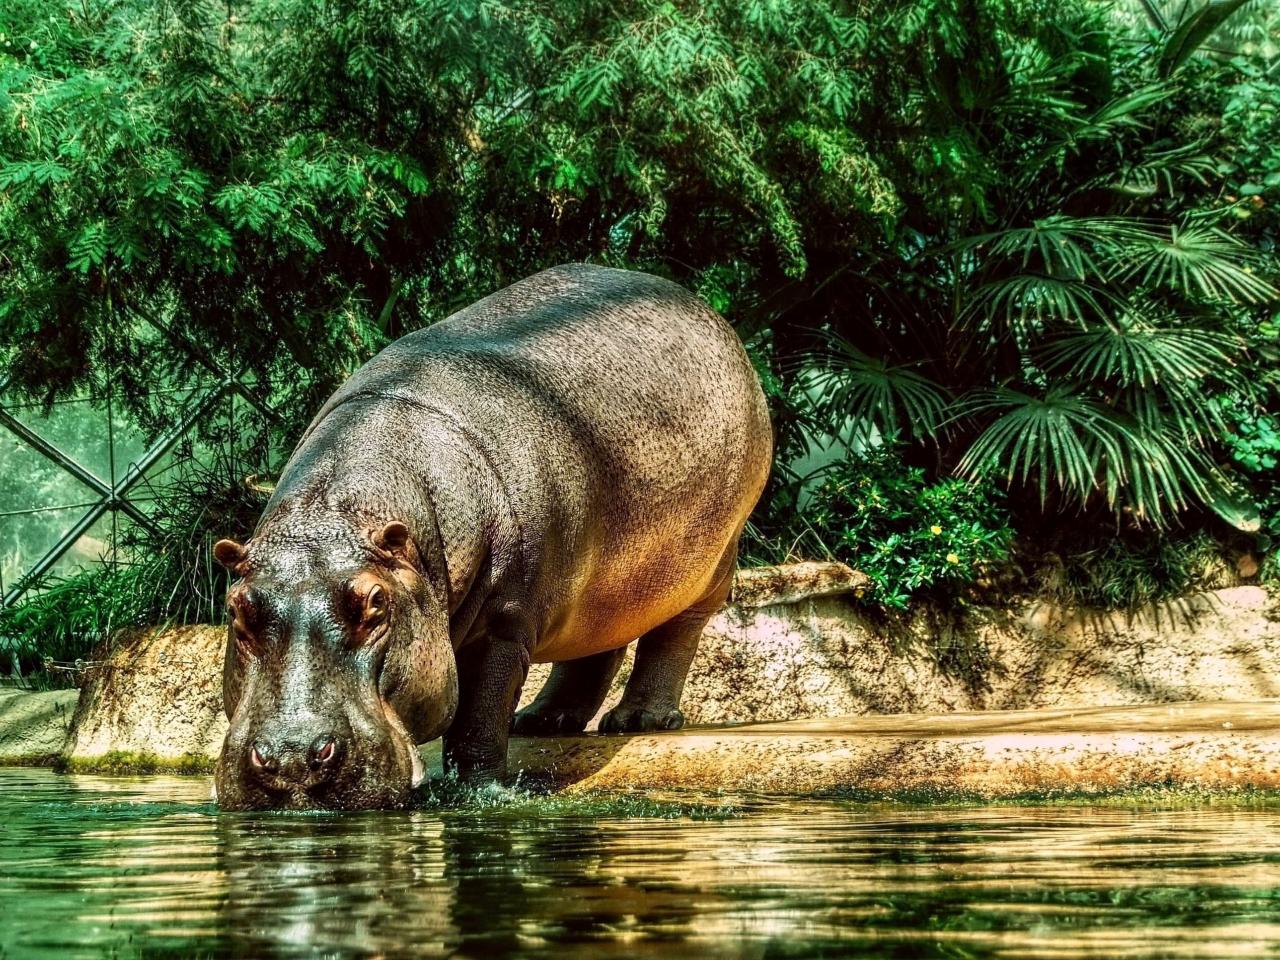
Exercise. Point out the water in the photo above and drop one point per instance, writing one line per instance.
(147, 867)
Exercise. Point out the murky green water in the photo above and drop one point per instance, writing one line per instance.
(147, 867)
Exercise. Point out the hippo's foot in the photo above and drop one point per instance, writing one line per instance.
(548, 722)
(625, 719)
(571, 696)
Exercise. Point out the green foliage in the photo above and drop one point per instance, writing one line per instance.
(912, 537)
(1194, 30)
(1251, 118)
(68, 619)
(1254, 444)
(1076, 353)
(1033, 246)
(176, 160)
(1127, 574)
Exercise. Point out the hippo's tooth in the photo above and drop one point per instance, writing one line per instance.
(419, 769)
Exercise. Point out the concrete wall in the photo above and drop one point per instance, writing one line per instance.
(821, 657)
(790, 646)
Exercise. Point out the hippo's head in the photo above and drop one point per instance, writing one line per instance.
(338, 664)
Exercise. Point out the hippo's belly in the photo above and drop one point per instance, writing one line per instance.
(639, 581)
(612, 615)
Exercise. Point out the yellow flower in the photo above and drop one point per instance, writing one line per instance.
(935, 529)
(952, 558)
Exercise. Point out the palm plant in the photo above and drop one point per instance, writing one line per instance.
(1081, 340)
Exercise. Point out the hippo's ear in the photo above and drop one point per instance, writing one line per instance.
(230, 554)
(393, 538)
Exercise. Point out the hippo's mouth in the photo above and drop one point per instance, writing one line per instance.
(386, 779)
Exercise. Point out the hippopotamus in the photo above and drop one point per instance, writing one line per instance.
(547, 475)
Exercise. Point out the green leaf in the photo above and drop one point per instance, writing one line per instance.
(1143, 354)
(1197, 259)
(88, 248)
(1083, 448)
(876, 396)
(1234, 505)
(1193, 32)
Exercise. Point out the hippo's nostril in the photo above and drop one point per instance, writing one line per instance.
(263, 760)
(324, 752)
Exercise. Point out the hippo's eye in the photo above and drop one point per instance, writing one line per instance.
(244, 638)
(375, 606)
(244, 611)
(368, 606)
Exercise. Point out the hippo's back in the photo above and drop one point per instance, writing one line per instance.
(625, 423)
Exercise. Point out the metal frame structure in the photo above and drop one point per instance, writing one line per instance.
(113, 496)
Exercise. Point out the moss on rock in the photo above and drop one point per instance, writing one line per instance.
(137, 763)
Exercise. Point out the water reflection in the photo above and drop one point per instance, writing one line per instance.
(148, 868)
(448, 886)
(290, 884)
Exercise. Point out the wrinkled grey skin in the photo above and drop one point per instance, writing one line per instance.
(547, 475)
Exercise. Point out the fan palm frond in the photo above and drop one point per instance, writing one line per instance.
(1054, 437)
(1110, 121)
(1174, 409)
(1197, 259)
(892, 398)
(1062, 246)
(1084, 448)
(1029, 303)
(1158, 474)
(1040, 86)
(1156, 171)
(1161, 371)
(1141, 354)
(1123, 112)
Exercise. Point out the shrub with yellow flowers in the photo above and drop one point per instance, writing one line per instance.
(911, 535)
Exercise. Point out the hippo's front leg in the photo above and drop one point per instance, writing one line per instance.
(491, 672)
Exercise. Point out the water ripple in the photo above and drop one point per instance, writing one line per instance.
(146, 867)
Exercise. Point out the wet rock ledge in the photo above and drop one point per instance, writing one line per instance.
(795, 691)
(1000, 754)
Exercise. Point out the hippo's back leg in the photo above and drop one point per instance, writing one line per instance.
(651, 700)
(570, 697)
